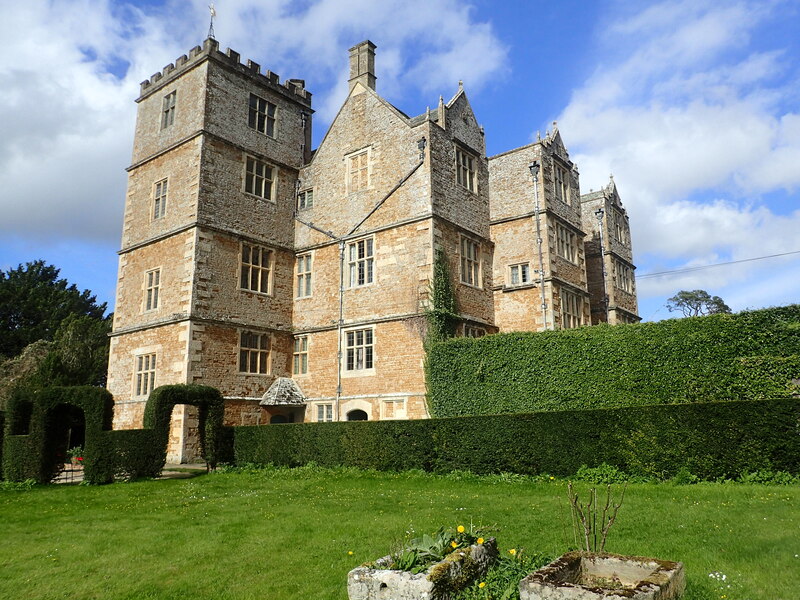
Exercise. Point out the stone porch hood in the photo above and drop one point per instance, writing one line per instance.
(284, 391)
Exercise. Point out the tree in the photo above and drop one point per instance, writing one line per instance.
(697, 303)
(34, 302)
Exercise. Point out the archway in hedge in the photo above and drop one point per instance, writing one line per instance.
(42, 424)
(209, 401)
(66, 430)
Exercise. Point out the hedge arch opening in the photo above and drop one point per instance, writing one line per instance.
(66, 429)
(210, 405)
(45, 423)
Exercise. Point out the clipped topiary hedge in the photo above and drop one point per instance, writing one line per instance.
(2, 433)
(711, 440)
(35, 442)
(158, 412)
(679, 360)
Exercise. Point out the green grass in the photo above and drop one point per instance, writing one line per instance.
(286, 534)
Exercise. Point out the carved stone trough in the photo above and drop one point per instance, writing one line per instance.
(581, 576)
(458, 570)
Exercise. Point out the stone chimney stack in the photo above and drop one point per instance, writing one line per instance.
(362, 64)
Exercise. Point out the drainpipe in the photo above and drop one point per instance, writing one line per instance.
(534, 168)
(340, 324)
(599, 214)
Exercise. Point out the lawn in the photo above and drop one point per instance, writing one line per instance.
(285, 534)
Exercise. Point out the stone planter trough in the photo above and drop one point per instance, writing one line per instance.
(458, 570)
(582, 576)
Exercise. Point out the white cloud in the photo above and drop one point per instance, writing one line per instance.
(66, 132)
(687, 109)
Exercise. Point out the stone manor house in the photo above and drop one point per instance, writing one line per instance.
(296, 280)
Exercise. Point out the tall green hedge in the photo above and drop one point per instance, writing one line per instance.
(716, 439)
(2, 435)
(158, 412)
(679, 360)
(33, 444)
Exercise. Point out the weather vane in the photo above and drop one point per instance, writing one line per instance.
(211, 25)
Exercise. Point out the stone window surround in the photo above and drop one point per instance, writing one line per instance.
(160, 199)
(151, 287)
(571, 305)
(305, 199)
(561, 182)
(471, 331)
(352, 165)
(324, 410)
(257, 178)
(623, 276)
(365, 371)
(168, 109)
(466, 169)
(398, 409)
(304, 278)
(144, 372)
(523, 274)
(620, 228)
(268, 116)
(300, 355)
(361, 269)
(260, 268)
(470, 271)
(263, 355)
(566, 243)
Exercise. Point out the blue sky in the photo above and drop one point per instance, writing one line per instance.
(692, 105)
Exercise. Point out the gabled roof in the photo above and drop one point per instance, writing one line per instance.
(284, 391)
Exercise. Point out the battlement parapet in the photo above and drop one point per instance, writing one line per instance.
(295, 88)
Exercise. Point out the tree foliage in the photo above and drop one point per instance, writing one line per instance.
(33, 303)
(697, 303)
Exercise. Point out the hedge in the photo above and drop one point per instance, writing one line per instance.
(713, 358)
(34, 441)
(158, 412)
(2, 434)
(711, 440)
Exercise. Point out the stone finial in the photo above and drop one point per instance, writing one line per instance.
(460, 85)
(362, 65)
(442, 121)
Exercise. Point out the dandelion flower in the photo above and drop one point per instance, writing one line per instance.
(513, 552)
(454, 544)
(480, 540)
(350, 553)
(460, 529)
(482, 584)
(551, 477)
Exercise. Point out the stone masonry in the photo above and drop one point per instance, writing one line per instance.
(246, 256)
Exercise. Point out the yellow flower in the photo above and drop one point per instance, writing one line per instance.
(513, 552)
(482, 584)
(460, 529)
(350, 552)
(551, 477)
(454, 544)
(480, 540)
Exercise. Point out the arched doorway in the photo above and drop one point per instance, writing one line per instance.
(357, 415)
(277, 419)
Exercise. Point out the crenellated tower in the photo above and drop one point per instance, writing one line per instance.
(206, 261)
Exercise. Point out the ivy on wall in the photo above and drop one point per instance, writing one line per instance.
(719, 357)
